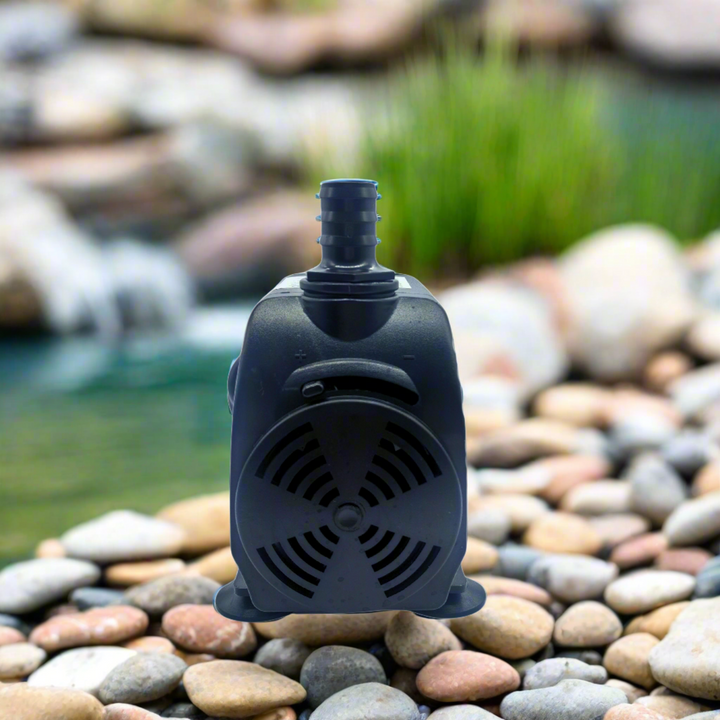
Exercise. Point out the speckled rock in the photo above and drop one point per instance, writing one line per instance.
(10, 636)
(637, 551)
(414, 641)
(318, 630)
(205, 520)
(22, 702)
(82, 668)
(283, 655)
(686, 660)
(86, 598)
(19, 660)
(237, 689)
(631, 692)
(462, 712)
(560, 532)
(333, 668)
(27, 586)
(123, 535)
(463, 675)
(646, 590)
(100, 626)
(142, 678)
(658, 621)
(370, 701)
(159, 596)
(200, 629)
(552, 671)
(480, 556)
(627, 658)
(587, 625)
(136, 573)
(572, 579)
(509, 627)
(694, 522)
(568, 700)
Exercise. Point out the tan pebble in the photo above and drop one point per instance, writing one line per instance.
(563, 533)
(232, 688)
(316, 630)
(414, 641)
(688, 560)
(19, 660)
(99, 626)
(194, 658)
(151, 644)
(509, 627)
(627, 658)
(286, 713)
(617, 529)
(19, 701)
(658, 621)
(463, 675)
(632, 692)
(10, 636)
(672, 706)
(632, 712)
(587, 624)
(664, 368)
(479, 421)
(630, 401)
(205, 519)
(218, 565)
(637, 551)
(51, 548)
(570, 471)
(121, 711)
(521, 509)
(707, 479)
(496, 585)
(578, 404)
(201, 629)
(127, 574)
(479, 556)
(602, 497)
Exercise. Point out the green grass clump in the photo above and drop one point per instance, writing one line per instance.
(485, 160)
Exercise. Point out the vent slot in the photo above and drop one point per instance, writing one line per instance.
(317, 546)
(368, 534)
(329, 497)
(404, 565)
(381, 545)
(281, 576)
(316, 485)
(303, 554)
(368, 497)
(405, 458)
(392, 555)
(357, 384)
(394, 472)
(290, 438)
(379, 483)
(329, 534)
(314, 464)
(416, 445)
(422, 569)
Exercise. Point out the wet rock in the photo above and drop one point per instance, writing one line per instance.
(30, 585)
(568, 700)
(463, 675)
(587, 625)
(159, 596)
(100, 626)
(283, 655)
(627, 658)
(333, 668)
(648, 589)
(628, 298)
(81, 669)
(685, 659)
(22, 702)
(414, 641)
(200, 629)
(316, 630)
(123, 535)
(509, 627)
(371, 701)
(142, 678)
(205, 519)
(233, 688)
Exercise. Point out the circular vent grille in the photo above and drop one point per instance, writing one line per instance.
(348, 505)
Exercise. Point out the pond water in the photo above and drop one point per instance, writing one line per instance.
(87, 427)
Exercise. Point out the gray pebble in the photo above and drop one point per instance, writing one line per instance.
(158, 596)
(283, 655)
(707, 582)
(522, 666)
(142, 678)
(572, 578)
(492, 526)
(688, 451)
(656, 489)
(589, 657)
(183, 710)
(370, 701)
(639, 432)
(91, 597)
(515, 561)
(330, 669)
(34, 29)
(568, 700)
(14, 622)
(550, 672)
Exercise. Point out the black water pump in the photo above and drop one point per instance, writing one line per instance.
(348, 474)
